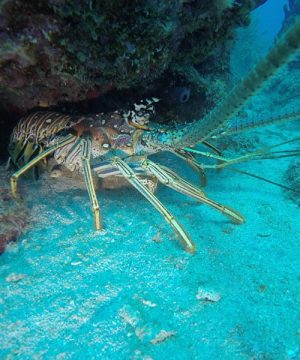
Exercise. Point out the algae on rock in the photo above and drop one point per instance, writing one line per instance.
(68, 51)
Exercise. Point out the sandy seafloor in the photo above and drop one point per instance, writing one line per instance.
(131, 292)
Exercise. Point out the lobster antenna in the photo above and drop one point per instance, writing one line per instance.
(264, 179)
(267, 67)
(203, 129)
(239, 126)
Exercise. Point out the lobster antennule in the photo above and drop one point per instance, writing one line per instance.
(201, 130)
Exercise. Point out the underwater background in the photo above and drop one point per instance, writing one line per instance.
(130, 292)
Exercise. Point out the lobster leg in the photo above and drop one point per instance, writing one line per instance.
(189, 158)
(132, 177)
(150, 183)
(16, 150)
(217, 157)
(256, 155)
(85, 158)
(14, 179)
(172, 180)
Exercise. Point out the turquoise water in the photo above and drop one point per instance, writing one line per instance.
(130, 292)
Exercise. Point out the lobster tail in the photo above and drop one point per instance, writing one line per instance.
(33, 133)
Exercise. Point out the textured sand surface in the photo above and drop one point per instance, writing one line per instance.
(132, 293)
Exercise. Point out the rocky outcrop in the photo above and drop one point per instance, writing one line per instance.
(68, 51)
(13, 214)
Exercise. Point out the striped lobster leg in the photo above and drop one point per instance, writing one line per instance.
(190, 160)
(87, 173)
(14, 179)
(174, 181)
(105, 170)
(187, 155)
(23, 152)
(263, 153)
(133, 178)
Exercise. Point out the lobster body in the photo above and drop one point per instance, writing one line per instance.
(104, 144)
(111, 134)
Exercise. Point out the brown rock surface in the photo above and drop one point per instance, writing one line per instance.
(13, 214)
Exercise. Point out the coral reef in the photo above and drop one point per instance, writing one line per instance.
(61, 50)
(13, 215)
(7, 118)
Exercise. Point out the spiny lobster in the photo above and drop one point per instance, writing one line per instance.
(119, 143)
